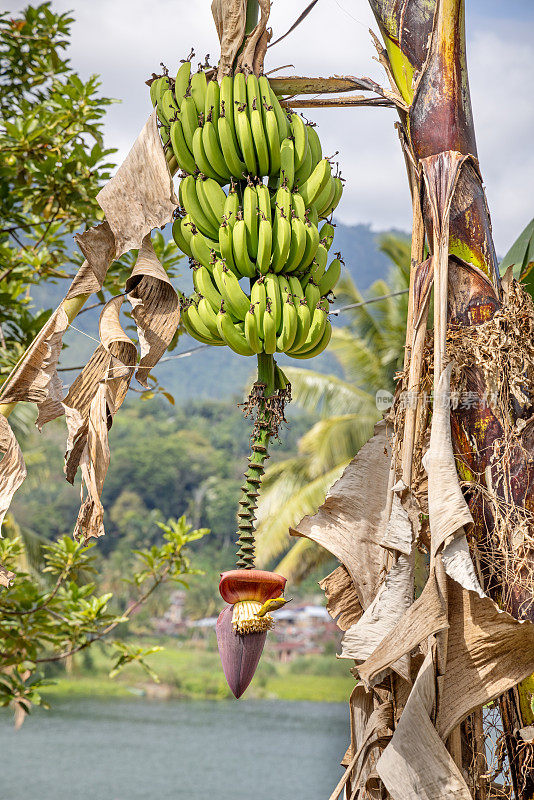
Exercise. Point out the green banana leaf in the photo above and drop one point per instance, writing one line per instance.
(521, 257)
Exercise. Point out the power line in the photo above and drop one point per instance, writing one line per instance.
(185, 353)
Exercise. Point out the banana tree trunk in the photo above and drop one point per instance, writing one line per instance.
(425, 52)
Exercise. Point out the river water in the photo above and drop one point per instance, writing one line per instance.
(149, 750)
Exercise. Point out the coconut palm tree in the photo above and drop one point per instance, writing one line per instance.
(369, 349)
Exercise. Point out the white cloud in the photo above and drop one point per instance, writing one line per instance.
(125, 40)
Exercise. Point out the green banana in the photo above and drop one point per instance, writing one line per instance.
(202, 251)
(178, 235)
(300, 137)
(153, 90)
(281, 116)
(298, 206)
(326, 234)
(160, 87)
(298, 244)
(168, 107)
(213, 151)
(287, 164)
(319, 347)
(203, 283)
(282, 244)
(184, 319)
(251, 331)
(317, 326)
(272, 291)
(264, 201)
(337, 197)
(244, 137)
(202, 159)
(317, 181)
(213, 102)
(196, 322)
(272, 137)
(189, 118)
(215, 198)
(181, 82)
(256, 125)
(269, 329)
(232, 335)
(312, 243)
(236, 166)
(189, 200)
(287, 335)
(250, 215)
(183, 155)
(319, 262)
(312, 295)
(239, 91)
(199, 90)
(231, 206)
(282, 201)
(209, 212)
(295, 288)
(315, 145)
(225, 243)
(258, 299)
(324, 199)
(244, 265)
(330, 277)
(265, 242)
(305, 170)
(235, 298)
(303, 324)
(208, 317)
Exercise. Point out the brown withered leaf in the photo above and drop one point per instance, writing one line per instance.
(488, 652)
(230, 18)
(12, 467)
(392, 600)
(342, 599)
(92, 401)
(35, 378)
(140, 196)
(31, 378)
(425, 617)
(156, 309)
(349, 521)
(255, 46)
(447, 508)
(98, 246)
(416, 765)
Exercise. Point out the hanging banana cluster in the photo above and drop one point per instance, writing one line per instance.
(237, 134)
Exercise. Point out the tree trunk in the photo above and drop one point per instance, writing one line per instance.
(425, 47)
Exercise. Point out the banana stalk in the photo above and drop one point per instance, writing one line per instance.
(265, 389)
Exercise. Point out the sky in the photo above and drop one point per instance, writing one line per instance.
(125, 41)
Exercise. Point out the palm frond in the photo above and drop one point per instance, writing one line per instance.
(272, 535)
(336, 439)
(304, 557)
(326, 394)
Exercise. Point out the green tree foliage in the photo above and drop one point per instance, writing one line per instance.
(369, 349)
(47, 619)
(53, 162)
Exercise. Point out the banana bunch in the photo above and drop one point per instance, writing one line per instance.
(278, 317)
(258, 250)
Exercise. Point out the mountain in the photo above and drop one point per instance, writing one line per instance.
(217, 373)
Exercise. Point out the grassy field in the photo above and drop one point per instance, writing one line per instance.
(191, 673)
